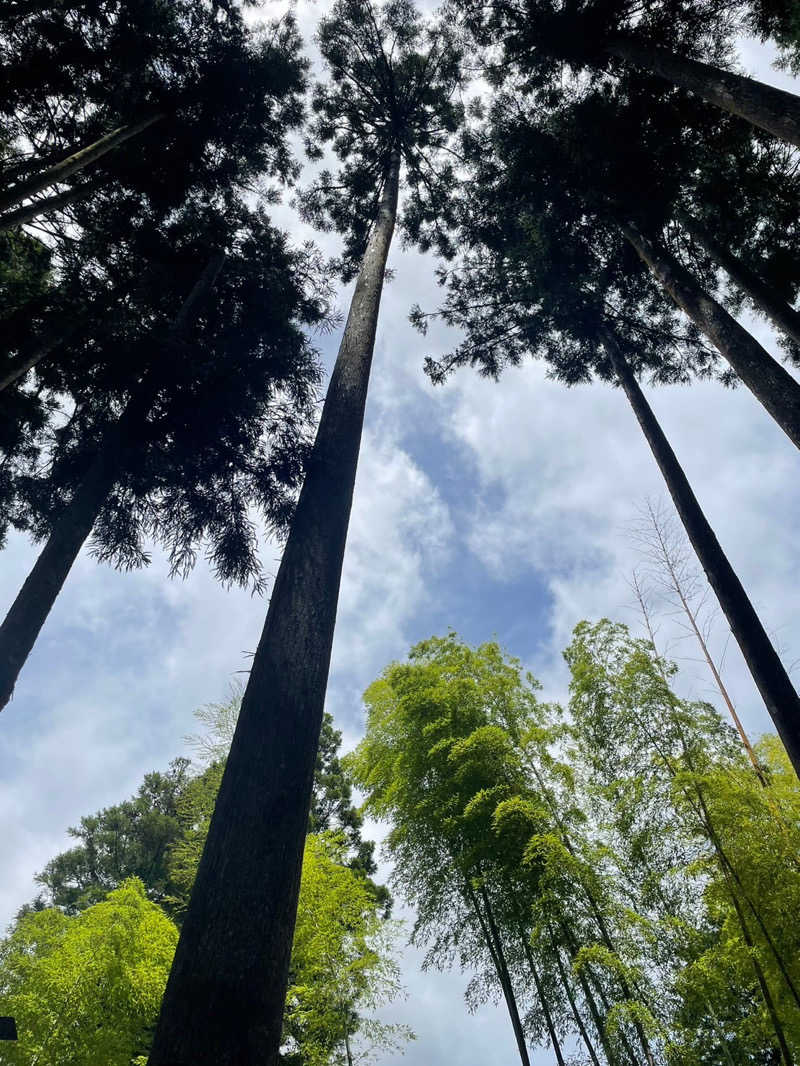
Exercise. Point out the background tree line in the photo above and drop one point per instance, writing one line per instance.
(84, 965)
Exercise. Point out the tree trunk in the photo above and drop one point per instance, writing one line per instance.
(772, 386)
(782, 314)
(548, 1018)
(73, 163)
(495, 946)
(33, 210)
(39, 352)
(30, 609)
(573, 1006)
(773, 110)
(765, 666)
(224, 1000)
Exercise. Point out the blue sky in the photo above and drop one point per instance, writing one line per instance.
(500, 510)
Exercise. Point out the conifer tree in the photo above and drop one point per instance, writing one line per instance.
(178, 429)
(388, 104)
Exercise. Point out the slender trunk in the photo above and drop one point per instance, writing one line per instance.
(30, 609)
(599, 919)
(599, 1022)
(224, 1000)
(773, 110)
(35, 208)
(677, 586)
(495, 946)
(573, 1006)
(731, 876)
(347, 1050)
(548, 1018)
(782, 314)
(769, 1002)
(73, 163)
(772, 385)
(767, 671)
(29, 361)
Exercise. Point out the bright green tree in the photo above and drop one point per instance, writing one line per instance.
(86, 990)
(342, 963)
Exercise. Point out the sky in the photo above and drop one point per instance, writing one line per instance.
(502, 510)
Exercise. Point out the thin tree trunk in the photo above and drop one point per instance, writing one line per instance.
(668, 560)
(42, 207)
(597, 915)
(576, 1014)
(769, 1002)
(772, 385)
(548, 1018)
(767, 671)
(495, 946)
(599, 1022)
(782, 314)
(726, 868)
(347, 1050)
(773, 110)
(224, 999)
(30, 609)
(73, 163)
(40, 352)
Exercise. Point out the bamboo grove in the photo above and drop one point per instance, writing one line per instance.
(570, 163)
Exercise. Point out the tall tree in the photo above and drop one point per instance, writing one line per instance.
(541, 276)
(665, 39)
(182, 429)
(389, 99)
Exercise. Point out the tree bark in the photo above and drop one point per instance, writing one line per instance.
(765, 666)
(30, 609)
(782, 314)
(769, 382)
(773, 110)
(33, 210)
(224, 999)
(73, 163)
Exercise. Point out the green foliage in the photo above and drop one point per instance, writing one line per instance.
(393, 83)
(611, 847)
(86, 989)
(342, 964)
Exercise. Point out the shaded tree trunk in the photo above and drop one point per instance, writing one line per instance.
(223, 1004)
(41, 351)
(35, 599)
(540, 992)
(782, 314)
(773, 110)
(495, 947)
(33, 210)
(73, 163)
(573, 1006)
(765, 666)
(769, 382)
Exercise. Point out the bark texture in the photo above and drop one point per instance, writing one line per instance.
(772, 385)
(782, 314)
(223, 1004)
(73, 163)
(763, 661)
(30, 609)
(773, 110)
